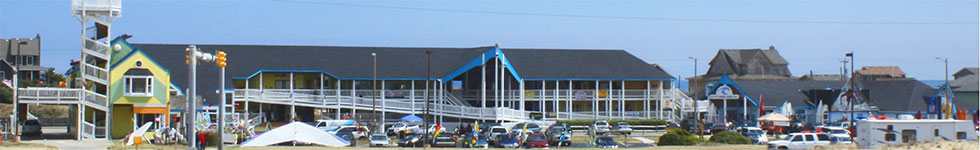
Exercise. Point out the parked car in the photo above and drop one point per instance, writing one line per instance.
(411, 140)
(531, 128)
(624, 128)
(494, 132)
(600, 126)
(379, 140)
(31, 127)
(755, 134)
(507, 141)
(401, 128)
(445, 140)
(346, 135)
(838, 135)
(717, 127)
(486, 126)
(357, 132)
(606, 142)
(801, 141)
(480, 142)
(432, 129)
(555, 133)
(536, 140)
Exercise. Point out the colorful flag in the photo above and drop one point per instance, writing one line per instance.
(524, 134)
(476, 131)
(762, 98)
(438, 127)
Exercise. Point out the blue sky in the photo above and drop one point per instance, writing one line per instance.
(655, 31)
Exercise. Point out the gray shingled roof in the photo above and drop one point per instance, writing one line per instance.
(742, 56)
(395, 62)
(888, 95)
(581, 64)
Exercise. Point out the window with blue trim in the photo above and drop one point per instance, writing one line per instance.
(138, 86)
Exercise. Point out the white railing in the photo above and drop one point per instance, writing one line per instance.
(563, 94)
(96, 5)
(96, 47)
(88, 130)
(48, 93)
(99, 73)
(96, 99)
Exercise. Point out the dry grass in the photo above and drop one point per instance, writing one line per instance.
(24, 146)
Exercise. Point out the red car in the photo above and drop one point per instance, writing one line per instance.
(536, 140)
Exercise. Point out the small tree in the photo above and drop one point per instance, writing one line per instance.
(729, 137)
(678, 137)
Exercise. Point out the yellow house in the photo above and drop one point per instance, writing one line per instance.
(139, 90)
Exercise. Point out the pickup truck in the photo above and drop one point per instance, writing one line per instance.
(801, 141)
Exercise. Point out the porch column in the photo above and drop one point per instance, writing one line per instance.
(338, 98)
(745, 107)
(442, 99)
(724, 110)
(622, 99)
(246, 96)
(568, 107)
(646, 101)
(383, 110)
(483, 85)
(522, 95)
(411, 96)
(660, 101)
(323, 96)
(609, 101)
(496, 83)
(292, 100)
(555, 103)
(354, 97)
(595, 101)
(541, 101)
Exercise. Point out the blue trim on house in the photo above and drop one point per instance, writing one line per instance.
(725, 80)
(476, 62)
(389, 79)
(590, 79)
(503, 58)
(179, 91)
(144, 54)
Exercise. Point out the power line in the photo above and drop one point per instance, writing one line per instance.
(631, 17)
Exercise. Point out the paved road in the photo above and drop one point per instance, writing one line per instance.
(57, 136)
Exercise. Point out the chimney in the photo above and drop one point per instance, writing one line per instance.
(772, 47)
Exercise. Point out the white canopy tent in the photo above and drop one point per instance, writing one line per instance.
(296, 132)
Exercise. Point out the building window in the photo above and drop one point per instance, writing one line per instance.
(960, 135)
(138, 86)
(890, 137)
(935, 132)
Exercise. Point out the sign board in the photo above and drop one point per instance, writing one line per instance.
(780, 123)
(723, 92)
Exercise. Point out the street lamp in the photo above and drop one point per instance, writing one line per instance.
(946, 83)
(428, 74)
(374, 89)
(697, 114)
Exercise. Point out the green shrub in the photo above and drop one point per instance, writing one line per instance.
(678, 137)
(729, 137)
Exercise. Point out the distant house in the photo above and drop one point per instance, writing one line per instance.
(822, 77)
(880, 72)
(24, 53)
(965, 85)
(744, 64)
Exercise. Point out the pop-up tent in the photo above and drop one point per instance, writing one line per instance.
(774, 117)
(297, 132)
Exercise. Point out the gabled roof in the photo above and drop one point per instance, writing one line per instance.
(892, 71)
(742, 56)
(965, 72)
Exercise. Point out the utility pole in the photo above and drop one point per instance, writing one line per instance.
(17, 91)
(428, 74)
(945, 84)
(850, 101)
(221, 62)
(191, 97)
(697, 114)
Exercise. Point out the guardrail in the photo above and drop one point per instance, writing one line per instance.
(96, 5)
(88, 130)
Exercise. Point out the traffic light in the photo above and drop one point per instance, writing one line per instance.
(187, 54)
(222, 59)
